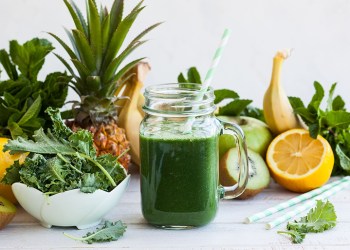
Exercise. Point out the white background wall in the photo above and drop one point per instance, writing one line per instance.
(318, 30)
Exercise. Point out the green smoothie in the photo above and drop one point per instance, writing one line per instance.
(179, 179)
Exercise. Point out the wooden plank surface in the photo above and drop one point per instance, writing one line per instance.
(226, 232)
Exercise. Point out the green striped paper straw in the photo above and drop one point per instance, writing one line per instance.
(209, 76)
(216, 59)
(293, 201)
(307, 205)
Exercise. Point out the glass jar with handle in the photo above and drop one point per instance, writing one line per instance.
(179, 139)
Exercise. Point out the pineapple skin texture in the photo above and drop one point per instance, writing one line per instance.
(108, 139)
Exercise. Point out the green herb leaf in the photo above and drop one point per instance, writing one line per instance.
(193, 75)
(88, 183)
(43, 144)
(12, 174)
(234, 108)
(110, 231)
(9, 67)
(32, 111)
(343, 158)
(297, 237)
(331, 122)
(223, 94)
(318, 219)
(23, 98)
(62, 160)
(30, 56)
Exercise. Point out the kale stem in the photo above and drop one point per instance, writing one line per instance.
(73, 237)
(66, 161)
(125, 151)
(109, 177)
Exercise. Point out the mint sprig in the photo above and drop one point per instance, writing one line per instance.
(23, 97)
(233, 104)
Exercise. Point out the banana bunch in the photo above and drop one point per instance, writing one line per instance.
(278, 111)
(131, 113)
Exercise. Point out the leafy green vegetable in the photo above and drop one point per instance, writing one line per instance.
(333, 123)
(235, 105)
(110, 231)
(193, 76)
(318, 219)
(61, 160)
(296, 237)
(23, 98)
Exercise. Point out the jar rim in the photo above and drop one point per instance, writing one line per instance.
(179, 99)
(190, 88)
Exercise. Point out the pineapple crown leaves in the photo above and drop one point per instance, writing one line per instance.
(96, 47)
(95, 110)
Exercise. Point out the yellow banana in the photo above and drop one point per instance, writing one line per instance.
(131, 113)
(278, 111)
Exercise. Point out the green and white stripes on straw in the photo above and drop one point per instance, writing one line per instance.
(293, 201)
(309, 204)
(209, 76)
(216, 59)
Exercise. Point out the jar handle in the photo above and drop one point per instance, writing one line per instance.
(237, 189)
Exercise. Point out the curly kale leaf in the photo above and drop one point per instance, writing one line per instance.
(296, 236)
(62, 160)
(318, 219)
(110, 231)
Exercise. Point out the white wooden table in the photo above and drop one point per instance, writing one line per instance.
(226, 232)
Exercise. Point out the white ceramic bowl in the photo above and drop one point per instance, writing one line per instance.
(70, 208)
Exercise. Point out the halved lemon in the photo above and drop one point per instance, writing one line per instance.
(6, 160)
(298, 162)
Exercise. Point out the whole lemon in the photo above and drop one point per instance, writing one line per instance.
(6, 160)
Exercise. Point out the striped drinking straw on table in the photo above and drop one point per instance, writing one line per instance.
(293, 201)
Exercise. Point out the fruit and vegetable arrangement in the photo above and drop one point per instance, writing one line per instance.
(89, 148)
(91, 145)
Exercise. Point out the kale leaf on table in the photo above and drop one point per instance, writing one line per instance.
(61, 160)
(318, 219)
(331, 122)
(110, 231)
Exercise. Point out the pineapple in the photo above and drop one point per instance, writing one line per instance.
(97, 57)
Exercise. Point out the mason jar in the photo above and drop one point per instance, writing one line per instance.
(179, 149)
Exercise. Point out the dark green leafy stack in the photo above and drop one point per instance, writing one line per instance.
(333, 123)
(61, 160)
(24, 98)
(235, 105)
(318, 219)
(110, 231)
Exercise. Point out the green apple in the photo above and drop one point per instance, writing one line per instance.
(257, 134)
